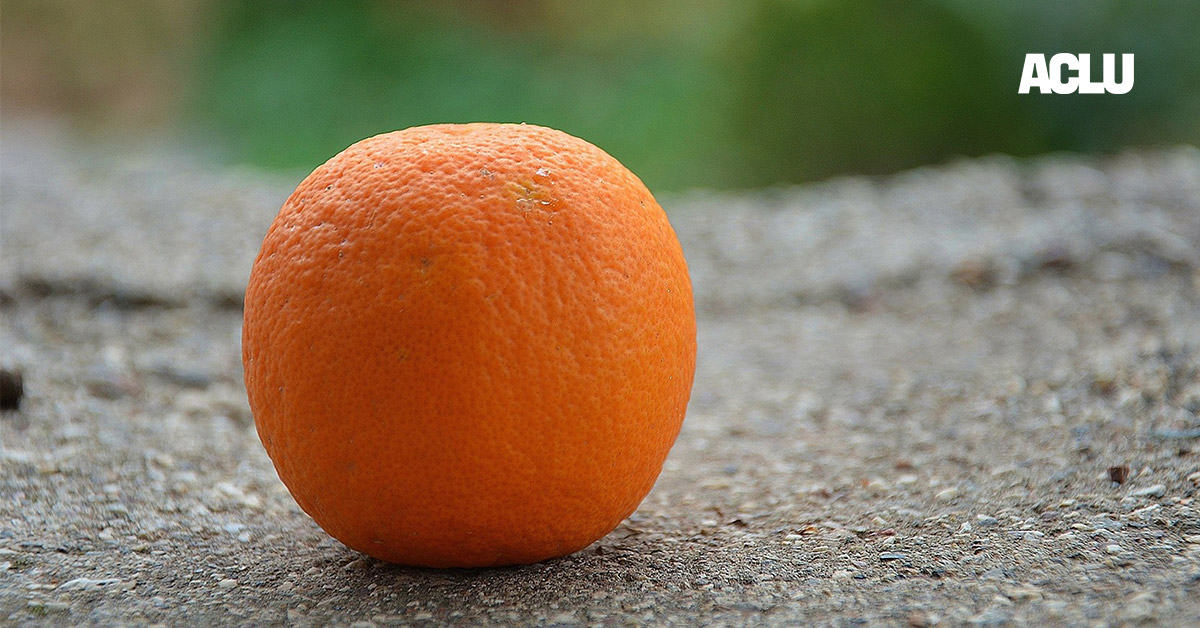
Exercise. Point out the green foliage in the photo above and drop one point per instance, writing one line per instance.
(1164, 105)
(292, 86)
(868, 86)
(712, 93)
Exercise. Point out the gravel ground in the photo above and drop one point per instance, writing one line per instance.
(962, 395)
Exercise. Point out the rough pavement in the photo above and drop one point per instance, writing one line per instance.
(913, 396)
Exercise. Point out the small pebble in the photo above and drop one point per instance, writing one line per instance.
(1158, 490)
(985, 521)
(186, 377)
(108, 383)
(1024, 593)
(1178, 434)
(946, 495)
(1119, 474)
(227, 583)
(358, 564)
(1114, 549)
(12, 389)
(1140, 608)
(88, 584)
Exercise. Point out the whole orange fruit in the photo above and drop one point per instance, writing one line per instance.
(469, 345)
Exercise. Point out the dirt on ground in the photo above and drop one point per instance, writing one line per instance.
(959, 395)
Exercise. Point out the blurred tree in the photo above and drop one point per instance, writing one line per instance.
(868, 86)
(709, 93)
(294, 82)
(1163, 35)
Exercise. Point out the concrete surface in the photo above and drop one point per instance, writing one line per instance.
(912, 398)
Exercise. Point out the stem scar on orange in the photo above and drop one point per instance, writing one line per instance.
(469, 345)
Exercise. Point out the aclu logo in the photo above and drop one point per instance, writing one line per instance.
(1052, 77)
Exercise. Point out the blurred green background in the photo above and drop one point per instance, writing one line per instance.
(701, 93)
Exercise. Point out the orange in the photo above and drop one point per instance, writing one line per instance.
(469, 345)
